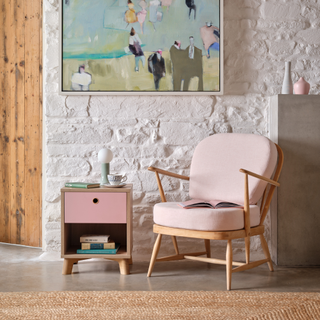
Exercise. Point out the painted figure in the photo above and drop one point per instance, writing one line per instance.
(191, 48)
(166, 3)
(210, 36)
(190, 4)
(156, 66)
(130, 15)
(154, 14)
(141, 15)
(81, 80)
(177, 44)
(193, 67)
(186, 64)
(135, 48)
(177, 65)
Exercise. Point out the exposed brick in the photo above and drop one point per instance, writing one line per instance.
(182, 133)
(276, 11)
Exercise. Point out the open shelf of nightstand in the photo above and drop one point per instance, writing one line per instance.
(72, 253)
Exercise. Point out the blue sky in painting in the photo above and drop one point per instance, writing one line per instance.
(96, 29)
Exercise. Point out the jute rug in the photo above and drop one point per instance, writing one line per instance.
(159, 305)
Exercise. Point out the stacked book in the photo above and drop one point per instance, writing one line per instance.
(83, 185)
(97, 244)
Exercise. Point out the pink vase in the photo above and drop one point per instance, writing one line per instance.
(301, 87)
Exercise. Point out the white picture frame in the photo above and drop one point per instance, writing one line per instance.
(65, 88)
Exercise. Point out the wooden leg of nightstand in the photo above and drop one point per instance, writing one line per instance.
(130, 261)
(124, 266)
(67, 265)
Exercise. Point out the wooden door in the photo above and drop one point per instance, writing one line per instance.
(21, 121)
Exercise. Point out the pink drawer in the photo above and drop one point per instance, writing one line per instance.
(95, 207)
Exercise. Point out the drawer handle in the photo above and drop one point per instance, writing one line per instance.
(95, 200)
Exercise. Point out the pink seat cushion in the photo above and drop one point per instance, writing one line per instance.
(169, 214)
(214, 172)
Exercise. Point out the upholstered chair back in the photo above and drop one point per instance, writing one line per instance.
(214, 173)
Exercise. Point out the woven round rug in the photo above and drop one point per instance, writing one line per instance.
(159, 305)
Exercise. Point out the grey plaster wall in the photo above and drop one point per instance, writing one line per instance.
(295, 124)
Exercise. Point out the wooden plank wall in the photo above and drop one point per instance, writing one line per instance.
(21, 121)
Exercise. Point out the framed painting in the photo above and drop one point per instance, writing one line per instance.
(142, 47)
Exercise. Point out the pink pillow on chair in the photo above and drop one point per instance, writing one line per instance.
(214, 173)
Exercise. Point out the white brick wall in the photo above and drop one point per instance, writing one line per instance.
(163, 131)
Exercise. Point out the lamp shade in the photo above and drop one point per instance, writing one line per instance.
(105, 155)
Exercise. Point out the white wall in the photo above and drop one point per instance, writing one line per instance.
(163, 131)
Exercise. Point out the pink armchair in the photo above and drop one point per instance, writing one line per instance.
(220, 171)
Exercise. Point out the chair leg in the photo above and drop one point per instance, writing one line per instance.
(175, 244)
(155, 252)
(208, 248)
(247, 245)
(229, 264)
(266, 251)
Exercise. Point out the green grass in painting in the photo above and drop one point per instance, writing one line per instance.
(119, 75)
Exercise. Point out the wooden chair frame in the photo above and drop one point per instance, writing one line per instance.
(245, 233)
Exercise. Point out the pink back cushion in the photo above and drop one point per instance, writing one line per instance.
(214, 173)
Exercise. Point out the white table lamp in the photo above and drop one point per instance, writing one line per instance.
(105, 156)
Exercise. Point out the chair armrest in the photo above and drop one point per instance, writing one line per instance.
(167, 173)
(247, 173)
(275, 183)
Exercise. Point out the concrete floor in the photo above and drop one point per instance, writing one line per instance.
(21, 270)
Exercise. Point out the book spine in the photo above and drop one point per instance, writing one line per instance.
(88, 246)
(96, 240)
(75, 185)
(97, 251)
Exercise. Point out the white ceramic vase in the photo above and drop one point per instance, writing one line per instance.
(287, 85)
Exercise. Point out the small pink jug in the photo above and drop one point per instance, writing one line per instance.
(301, 87)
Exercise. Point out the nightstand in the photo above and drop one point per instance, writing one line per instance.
(101, 210)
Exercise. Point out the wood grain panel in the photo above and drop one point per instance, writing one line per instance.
(33, 128)
(5, 123)
(17, 124)
(21, 121)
